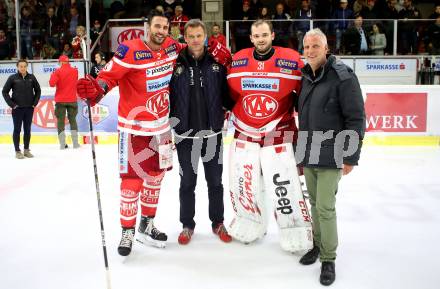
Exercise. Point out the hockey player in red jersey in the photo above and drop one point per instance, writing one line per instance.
(142, 70)
(265, 81)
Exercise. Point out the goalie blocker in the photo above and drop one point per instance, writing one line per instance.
(273, 168)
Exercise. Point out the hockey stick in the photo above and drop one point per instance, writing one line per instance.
(98, 196)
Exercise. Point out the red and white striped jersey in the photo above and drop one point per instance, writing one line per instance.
(143, 76)
(263, 90)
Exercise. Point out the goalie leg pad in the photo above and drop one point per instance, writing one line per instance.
(283, 184)
(245, 186)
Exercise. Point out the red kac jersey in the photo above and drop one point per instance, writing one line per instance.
(143, 76)
(263, 90)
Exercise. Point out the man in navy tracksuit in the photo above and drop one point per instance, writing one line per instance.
(198, 95)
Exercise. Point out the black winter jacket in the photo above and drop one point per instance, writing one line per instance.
(214, 91)
(329, 104)
(26, 90)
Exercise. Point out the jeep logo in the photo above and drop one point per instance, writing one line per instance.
(283, 203)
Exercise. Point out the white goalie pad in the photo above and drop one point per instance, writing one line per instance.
(245, 187)
(282, 183)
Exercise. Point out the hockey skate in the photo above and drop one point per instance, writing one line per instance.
(149, 234)
(126, 243)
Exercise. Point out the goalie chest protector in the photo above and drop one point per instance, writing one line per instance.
(263, 89)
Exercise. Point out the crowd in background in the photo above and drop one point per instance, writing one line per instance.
(50, 28)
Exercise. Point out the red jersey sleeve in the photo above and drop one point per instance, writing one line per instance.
(117, 67)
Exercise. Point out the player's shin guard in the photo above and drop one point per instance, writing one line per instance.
(282, 183)
(130, 188)
(150, 195)
(245, 186)
(149, 201)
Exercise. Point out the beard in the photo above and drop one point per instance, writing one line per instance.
(263, 49)
(157, 40)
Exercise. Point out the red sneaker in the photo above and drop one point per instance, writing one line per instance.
(222, 233)
(185, 236)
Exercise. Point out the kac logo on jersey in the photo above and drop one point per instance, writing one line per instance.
(260, 84)
(159, 70)
(286, 64)
(158, 84)
(259, 105)
(142, 54)
(240, 62)
(158, 103)
(121, 51)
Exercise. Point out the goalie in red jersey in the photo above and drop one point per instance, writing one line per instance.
(265, 82)
(142, 70)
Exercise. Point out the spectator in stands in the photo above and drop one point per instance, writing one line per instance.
(264, 13)
(3, 14)
(343, 14)
(217, 35)
(378, 41)
(79, 43)
(436, 12)
(51, 28)
(67, 50)
(117, 9)
(370, 11)
(10, 13)
(74, 21)
(60, 11)
(408, 29)
(355, 39)
(179, 19)
(27, 24)
(282, 26)
(170, 4)
(390, 13)
(95, 31)
(305, 14)
(241, 29)
(5, 46)
(99, 65)
(256, 6)
(48, 52)
(358, 5)
(433, 37)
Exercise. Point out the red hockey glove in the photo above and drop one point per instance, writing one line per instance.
(89, 90)
(221, 54)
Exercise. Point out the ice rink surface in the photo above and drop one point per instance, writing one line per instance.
(388, 217)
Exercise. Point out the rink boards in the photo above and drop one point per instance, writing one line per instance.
(395, 115)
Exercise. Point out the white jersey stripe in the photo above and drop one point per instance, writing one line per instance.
(147, 124)
(264, 74)
(149, 205)
(143, 132)
(146, 65)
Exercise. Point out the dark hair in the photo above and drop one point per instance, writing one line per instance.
(155, 13)
(101, 54)
(261, 22)
(22, 60)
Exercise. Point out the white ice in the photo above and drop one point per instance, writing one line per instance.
(388, 220)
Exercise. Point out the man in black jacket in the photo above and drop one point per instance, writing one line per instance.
(332, 125)
(198, 92)
(25, 96)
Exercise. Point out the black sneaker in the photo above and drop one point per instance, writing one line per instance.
(310, 257)
(328, 273)
(126, 243)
